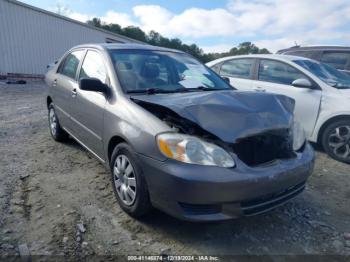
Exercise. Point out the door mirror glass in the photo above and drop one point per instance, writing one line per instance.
(92, 84)
(302, 83)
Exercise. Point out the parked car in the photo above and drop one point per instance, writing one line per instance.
(321, 93)
(336, 56)
(175, 135)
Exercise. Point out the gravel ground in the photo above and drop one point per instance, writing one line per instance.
(56, 199)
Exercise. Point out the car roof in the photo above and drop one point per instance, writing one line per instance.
(126, 46)
(266, 56)
(316, 47)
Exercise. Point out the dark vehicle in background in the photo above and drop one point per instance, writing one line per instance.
(336, 56)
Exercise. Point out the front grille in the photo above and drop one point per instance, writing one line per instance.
(191, 209)
(264, 148)
(267, 202)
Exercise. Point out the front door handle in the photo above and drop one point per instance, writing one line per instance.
(260, 89)
(74, 92)
(54, 83)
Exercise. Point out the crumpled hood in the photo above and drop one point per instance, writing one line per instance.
(228, 115)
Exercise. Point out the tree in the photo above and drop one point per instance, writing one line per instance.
(95, 22)
(154, 38)
(135, 33)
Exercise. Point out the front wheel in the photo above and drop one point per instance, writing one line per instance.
(336, 140)
(129, 184)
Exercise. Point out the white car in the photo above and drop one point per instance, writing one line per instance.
(321, 93)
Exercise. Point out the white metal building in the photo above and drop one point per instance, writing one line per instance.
(31, 38)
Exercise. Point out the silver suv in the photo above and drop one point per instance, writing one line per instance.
(176, 136)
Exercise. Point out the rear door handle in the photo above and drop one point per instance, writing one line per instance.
(54, 83)
(74, 92)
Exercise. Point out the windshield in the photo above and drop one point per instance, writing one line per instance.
(326, 73)
(150, 71)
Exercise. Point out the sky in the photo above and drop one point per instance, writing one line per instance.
(219, 25)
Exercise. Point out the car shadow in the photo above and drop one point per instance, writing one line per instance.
(317, 147)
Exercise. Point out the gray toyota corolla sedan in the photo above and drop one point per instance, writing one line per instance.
(176, 136)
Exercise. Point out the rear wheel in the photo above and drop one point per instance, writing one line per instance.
(336, 140)
(56, 130)
(129, 184)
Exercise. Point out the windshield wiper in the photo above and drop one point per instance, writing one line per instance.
(206, 88)
(150, 91)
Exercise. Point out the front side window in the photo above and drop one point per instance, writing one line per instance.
(93, 67)
(338, 60)
(240, 68)
(163, 71)
(70, 64)
(278, 72)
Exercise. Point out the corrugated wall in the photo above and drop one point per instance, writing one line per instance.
(30, 39)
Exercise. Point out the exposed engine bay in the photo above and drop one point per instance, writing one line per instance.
(257, 133)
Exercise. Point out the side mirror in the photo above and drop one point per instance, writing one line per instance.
(302, 83)
(92, 84)
(226, 79)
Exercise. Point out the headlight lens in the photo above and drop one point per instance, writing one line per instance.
(193, 150)
(298, 136)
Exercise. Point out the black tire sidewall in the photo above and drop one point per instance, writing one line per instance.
(141, 205)
(326, 135)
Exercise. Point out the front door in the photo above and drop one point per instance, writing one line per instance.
(88, 106)
(277, 77)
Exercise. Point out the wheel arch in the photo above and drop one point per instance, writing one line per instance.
(113, 142)
(328, 122)
(48, 101)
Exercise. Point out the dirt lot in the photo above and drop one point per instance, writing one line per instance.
(48, 189)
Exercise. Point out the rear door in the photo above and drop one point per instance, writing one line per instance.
(276, 77)
(63, 85)
(88, 106)
(240, 72)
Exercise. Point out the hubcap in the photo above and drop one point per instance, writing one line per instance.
(53, 121)
(124, 180)
(339, 141)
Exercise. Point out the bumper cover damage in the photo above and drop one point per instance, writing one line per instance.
(254, 128)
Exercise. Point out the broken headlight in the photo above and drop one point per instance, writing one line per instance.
(298, 136)
(190, 149)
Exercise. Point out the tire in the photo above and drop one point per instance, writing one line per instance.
(336, 140)
(125, 180)
(55, 128)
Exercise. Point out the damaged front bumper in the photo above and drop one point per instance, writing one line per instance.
(207, 193)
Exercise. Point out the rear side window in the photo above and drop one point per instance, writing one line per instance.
(70, 64)
(93, 67)
(278, 72)
(240, 68)
(338, 60)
